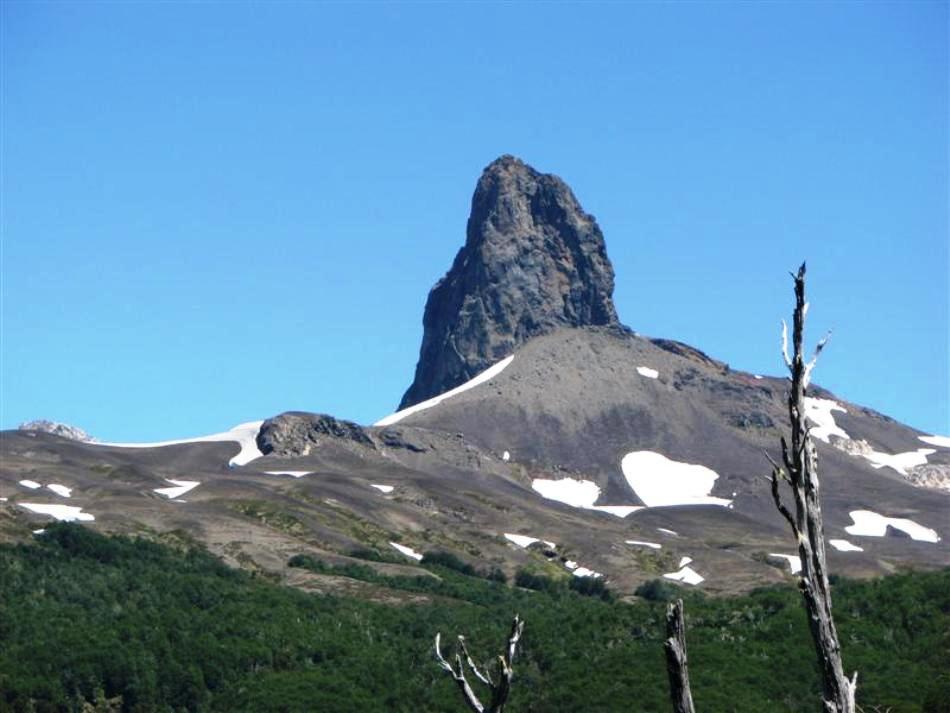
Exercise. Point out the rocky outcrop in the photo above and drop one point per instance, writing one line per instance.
(57, 429)
(294, 434)
(533, 261)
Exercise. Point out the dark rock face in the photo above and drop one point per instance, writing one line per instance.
(533, 261)
(294, 434)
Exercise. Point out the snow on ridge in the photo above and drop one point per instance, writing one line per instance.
(660, 481)
(818, 412)
(526, 540)
(687, 575)
(382, 488)
(647, 372)
(489, 373)
(31, 484)
(292, 473)
(652, 545)
(939, 441)
(845, 546)
(244, 434)
(408, 551)
(794, 562)
(580, 494)
(181, 487)
(871, 524)
(65, 513)
(60, 490)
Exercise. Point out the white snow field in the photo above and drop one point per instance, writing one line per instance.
(579, 494)
(66, 513)
(244, 434)
(293, 473)
(489, 373)
(687, 575)
(845, 546)
(647, 372)
(819, 412)
(408, 551)
(60, 490)
(382, 488)
(652, 545)
(872, 524)
(659, 481)
(940, 441)
(31, 484)
(794, 562)
(181, 487)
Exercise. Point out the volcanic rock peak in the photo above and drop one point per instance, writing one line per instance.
(533, 261)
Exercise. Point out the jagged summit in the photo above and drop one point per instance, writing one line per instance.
(63, 430)
(533, 261)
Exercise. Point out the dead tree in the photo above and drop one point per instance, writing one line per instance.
(499, 690)
(675, 647)
(799, 470)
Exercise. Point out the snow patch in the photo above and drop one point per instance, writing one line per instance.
(293, 473)
(244, 434)
(31, 484)
(408, 551)
(687, 575)
(940, 441)
(900, 462)
(872, 524)
(506, 456)
(526, 541)
(181, 487)
(647, 372)
(489, 373)
(584, 572)
(756, 376)
(794, 562)
(659, 481)
(845, 546)
(571, 564)
(819, 412)
(382, 488)
(66, 513)
(61, 490)
(668, 532)
(684, 561)
(579, 494)
(653, 545)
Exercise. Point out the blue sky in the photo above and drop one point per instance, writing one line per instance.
(215, 212)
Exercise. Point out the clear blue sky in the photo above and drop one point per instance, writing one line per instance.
(214, 212)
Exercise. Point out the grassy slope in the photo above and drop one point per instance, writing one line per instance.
(171, 630)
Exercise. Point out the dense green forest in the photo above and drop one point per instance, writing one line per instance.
(87, 618)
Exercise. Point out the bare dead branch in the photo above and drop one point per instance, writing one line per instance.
(800, 459)
(499, 691)
(676, 664)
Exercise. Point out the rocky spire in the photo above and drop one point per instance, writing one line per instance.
(533, 261)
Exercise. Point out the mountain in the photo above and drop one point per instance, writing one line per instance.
(539, 434)
(533, 261)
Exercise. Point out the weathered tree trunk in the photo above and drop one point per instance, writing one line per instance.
(800, 471)
(499, 691)
(676, 668)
